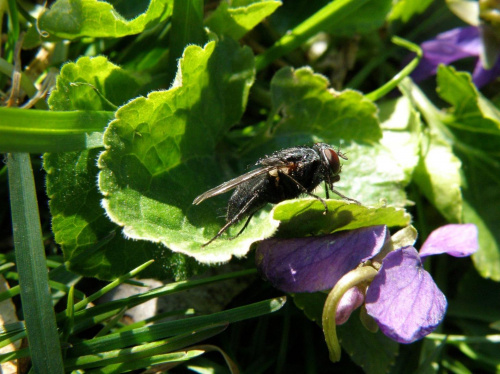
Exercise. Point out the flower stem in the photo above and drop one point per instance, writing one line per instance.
(389, 86)
(351, 279)
(330, 14)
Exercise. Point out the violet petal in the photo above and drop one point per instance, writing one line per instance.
(316, 263)
(458, 240)
(447, 47)
(351, 300)
(482, 76)
(403, 298)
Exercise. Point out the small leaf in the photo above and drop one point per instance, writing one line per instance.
(305, 216)
(404, 10)
(438, 176)
(71, 19)
(474, 120)
(160, 155)
(309, 107)
(237, 18)
(92, 84)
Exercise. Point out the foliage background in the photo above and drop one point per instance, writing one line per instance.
(157, 101)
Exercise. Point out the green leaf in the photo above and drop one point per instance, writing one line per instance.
(438, 171)
(367, 18)
(305, 216)
(438, 176)
(404, 10)
(311, 304)
(374, 352)
(475, 124)
(92, 84)
(91, 243)
(474, 120)
(481, 206)
(72, 19)
(160, 154)
(309, 107)
(468, 304)
(402, 130)
(186, 28)
(239, 17)
(313, 113)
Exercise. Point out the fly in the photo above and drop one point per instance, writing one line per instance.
(284, 175)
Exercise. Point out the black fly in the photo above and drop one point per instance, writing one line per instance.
(284, 175)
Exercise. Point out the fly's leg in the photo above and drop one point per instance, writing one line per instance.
(244, 227)
(326, 191)
(307, 192)
(345, 197)
(235, 219)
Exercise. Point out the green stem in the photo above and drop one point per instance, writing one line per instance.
(495, 338)
(330, 14)
(351, 279)
(36, 300)
(392, 84)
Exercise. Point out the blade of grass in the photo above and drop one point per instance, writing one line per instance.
(111, 324)
(82, 304)
(174, 313)
(146, 362)
(38, 131)
(14, 291)
(89, 317)
(36, 300)
(144, 350)
(70, 319)
(171, 328)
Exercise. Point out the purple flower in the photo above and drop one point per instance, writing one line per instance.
(453, 45)
(398, 293)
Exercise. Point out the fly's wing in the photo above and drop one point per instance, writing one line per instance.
(233, 183)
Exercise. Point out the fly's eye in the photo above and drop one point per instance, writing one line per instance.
(333, 160)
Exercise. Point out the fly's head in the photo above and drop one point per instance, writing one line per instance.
(330, 160)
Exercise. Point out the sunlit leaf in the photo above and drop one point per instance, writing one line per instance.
(160, 154)
(71, 19)
(235, 19)
(91, 243)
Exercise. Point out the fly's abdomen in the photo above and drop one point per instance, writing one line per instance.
(247, 198)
